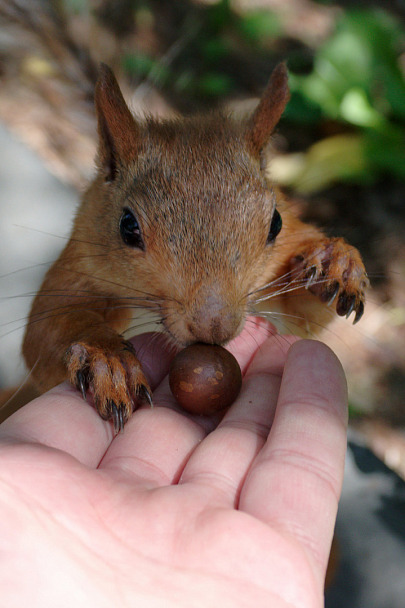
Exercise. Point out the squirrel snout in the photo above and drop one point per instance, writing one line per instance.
(213, 320)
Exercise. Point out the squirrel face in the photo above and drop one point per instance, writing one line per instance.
(192, 223)
(186, 211)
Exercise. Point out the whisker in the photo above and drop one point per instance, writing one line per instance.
(281, 338)
(253, 323)
(293, 285)
(291, 320)
(61, 311)
(107, 281)
(278, 279)
(154, 336)
(65, 310)
(146, 301)
(34, 266)
(153, 319)
(60, 236)
(50, 262)
(85, 295)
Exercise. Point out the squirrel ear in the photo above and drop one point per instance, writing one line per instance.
(269, 110)
(117, 129)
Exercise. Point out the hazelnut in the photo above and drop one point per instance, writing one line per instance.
(205, 378)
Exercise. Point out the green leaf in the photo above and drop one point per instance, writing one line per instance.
(214, 49)
(218, 16)
(143, 65)
(334, 159)
(302, 110)
(355, 411)
(260, 25)
(355, 107)
(357, 75)
(385, 151)
(215, 84)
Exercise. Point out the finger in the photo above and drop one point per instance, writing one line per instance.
(158, 442)
(245, 346)
(295, 482)
(154, 447)
(154, 353)
(222, 461)
(62, 419)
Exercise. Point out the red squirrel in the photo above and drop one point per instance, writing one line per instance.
(180, 220)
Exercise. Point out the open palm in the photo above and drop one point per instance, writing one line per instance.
(178, 510)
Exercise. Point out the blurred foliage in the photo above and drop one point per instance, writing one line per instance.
(350, 90)
(356, 81)
(204, 61)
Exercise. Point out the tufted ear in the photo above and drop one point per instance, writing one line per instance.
(117, 129)
(269, 110)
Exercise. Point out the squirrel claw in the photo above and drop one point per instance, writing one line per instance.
(144, 394)
(82, 383)
(311, 276)
(345, 305)
(116, 413)
(118, 416)
(114, 377)
(359, 313)
(331, 269)
(333, 293)
(351, 306)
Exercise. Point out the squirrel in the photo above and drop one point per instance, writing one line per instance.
(182, 221)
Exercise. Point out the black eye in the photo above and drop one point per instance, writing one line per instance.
(275, 226)
(130, 230)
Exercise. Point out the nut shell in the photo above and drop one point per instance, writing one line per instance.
(205, 378)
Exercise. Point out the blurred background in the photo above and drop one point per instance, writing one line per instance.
(339, 150)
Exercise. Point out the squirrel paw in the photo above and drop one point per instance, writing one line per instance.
(333, 271)
(115, 379)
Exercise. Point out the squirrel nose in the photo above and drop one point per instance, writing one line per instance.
(214, 320)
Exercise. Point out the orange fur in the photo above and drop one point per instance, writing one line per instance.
(203, 256)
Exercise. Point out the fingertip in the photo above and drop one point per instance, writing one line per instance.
(271, 355)
(313, 367)
(155, 353)
(315, 349)
(244, 347)
(61, 419)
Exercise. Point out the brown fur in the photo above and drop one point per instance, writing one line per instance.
(204, 208)
(269, 110)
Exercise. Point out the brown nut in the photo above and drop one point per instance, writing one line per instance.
(205, 378)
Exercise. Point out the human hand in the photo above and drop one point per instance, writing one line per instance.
(167, 513)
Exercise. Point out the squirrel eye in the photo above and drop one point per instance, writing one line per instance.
(130, 230)
(275, 226)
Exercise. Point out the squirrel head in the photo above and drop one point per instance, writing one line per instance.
(184, 206)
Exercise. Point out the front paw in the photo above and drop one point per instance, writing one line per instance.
(114, 378)
(333, 270)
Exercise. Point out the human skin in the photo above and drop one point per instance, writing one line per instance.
(179, 511)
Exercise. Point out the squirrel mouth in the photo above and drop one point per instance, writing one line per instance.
(211, 329)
